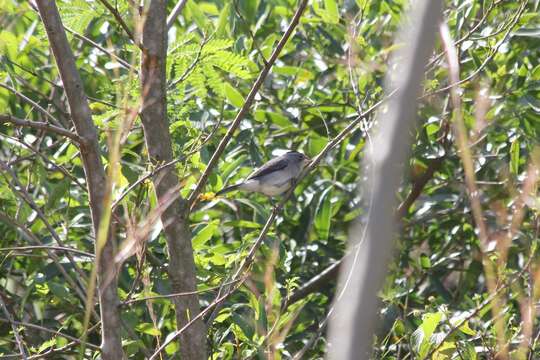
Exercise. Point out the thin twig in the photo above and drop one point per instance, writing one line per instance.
(37, 152)
(16, 334)
(121, 61)
(33, 238)
(55, 332)
(31, 102)
(247, 104)
(119, 19)
(47, 247)
(7, 118)
(169, 296)
(462, 142)
(486, 61)
(175, 13)
(20, 189)
(191, 66)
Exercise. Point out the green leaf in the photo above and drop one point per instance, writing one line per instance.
(234, 96)
(514, 157)
(205, 234)
(466, 329)
(323, 215)
(425, 262)
(422, 335)
(148, 328)
(198, 15)
(172, 348)
(223, 22)
(231, 166)
(332, 11)
(58, 191)
(432, 129)
(47, 344)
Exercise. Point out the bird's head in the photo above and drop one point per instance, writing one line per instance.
(299, 157)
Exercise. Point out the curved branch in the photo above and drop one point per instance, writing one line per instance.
(6, 118)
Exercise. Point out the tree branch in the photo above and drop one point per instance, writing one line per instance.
(175, 220)
(314, 284)
(16, 334)
(121, 61)
(418, 186)
(47, 247)
(6, 118)
(111, 342)
(355, 316)
(26, 233)
(247, 104)
(175, 13)
(119, 19)
(31, 102)
(51, 331)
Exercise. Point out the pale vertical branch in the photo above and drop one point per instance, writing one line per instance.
(111, 342)
(462, 141)
(353, 323)
(158, 141)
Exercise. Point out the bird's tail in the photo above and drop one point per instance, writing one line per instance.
(228, 189)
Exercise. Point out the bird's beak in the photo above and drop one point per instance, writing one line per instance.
(307, 161)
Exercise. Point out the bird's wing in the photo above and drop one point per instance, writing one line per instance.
(271, 166)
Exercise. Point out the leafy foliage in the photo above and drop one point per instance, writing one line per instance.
(435, 303)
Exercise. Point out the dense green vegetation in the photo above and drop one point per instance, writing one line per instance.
(437, 302)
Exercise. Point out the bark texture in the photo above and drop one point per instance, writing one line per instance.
(81, 116)
(158, 142)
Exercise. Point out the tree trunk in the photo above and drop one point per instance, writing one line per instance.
(158, 142)
(111, 341)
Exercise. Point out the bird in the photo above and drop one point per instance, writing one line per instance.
(275, 177)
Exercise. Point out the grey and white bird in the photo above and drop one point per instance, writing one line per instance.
(275, 177)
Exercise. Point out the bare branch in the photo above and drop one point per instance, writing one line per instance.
(121, 61)
(6, 118)
(490, 57)
(314, 284)
(17, 187)
(175, 13)
(51, 331)
(353, 322)
(47, 247)
(169, 296)
(119, 19)
(418, 186)
(31, 102)
(16, 334)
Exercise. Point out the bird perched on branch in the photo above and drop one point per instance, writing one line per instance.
(275, 177)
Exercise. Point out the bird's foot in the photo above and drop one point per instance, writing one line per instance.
(277, 207)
